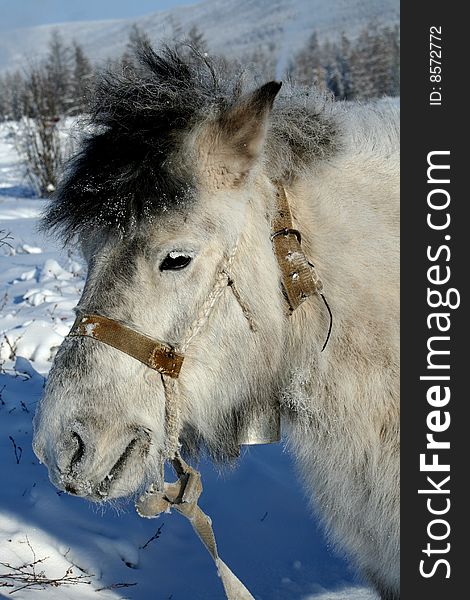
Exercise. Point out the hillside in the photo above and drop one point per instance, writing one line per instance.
(235, 27)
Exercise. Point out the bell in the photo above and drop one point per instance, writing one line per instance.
(263, 427)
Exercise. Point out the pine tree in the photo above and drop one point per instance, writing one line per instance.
(366, 67)
(358, 71)
(344, 66)
(82, 78)
(308, 69)
(380, 61)
(334, 80)
(59, 71)
(394, 49)
(375, 62)
(3, 100)
(12, 93)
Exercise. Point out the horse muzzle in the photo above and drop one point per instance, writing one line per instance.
(98, 469)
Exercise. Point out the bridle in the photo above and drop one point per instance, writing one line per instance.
(299, 282)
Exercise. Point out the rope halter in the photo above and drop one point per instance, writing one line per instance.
(299, 281)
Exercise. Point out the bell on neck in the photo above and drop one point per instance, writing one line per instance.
(263, 427)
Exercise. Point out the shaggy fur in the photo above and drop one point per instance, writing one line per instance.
(125, 172)
(184, 161)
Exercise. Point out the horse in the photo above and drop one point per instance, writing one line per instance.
(172, 198)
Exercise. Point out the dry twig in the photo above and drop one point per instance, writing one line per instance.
(27, 576)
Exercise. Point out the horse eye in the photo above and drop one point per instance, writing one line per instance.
(175, 261)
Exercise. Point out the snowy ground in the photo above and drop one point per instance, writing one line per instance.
(268, 539)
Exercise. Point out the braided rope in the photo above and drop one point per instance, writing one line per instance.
(172, 416)
(243, 305)
(173, 421)
(221, 282)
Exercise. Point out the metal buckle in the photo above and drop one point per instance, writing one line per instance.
(286, 231)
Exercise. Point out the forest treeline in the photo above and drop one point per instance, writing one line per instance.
(366, 66)
(38, 97)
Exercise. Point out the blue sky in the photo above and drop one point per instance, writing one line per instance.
(25, 13)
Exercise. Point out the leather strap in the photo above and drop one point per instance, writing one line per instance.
(299, 281)
(150, 352)
(297, 275)
(183, 495)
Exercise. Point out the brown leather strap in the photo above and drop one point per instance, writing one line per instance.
(143, 348)
(297, 276)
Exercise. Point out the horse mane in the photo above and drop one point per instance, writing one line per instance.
(123, 171)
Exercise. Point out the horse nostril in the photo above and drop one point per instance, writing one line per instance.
(79, 452)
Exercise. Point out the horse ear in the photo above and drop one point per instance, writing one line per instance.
(244, 125)
(241, 131)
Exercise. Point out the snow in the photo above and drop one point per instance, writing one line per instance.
(90, 329)
(176, 254)
(264, 530)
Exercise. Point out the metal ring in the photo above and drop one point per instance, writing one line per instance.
(287, 231)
